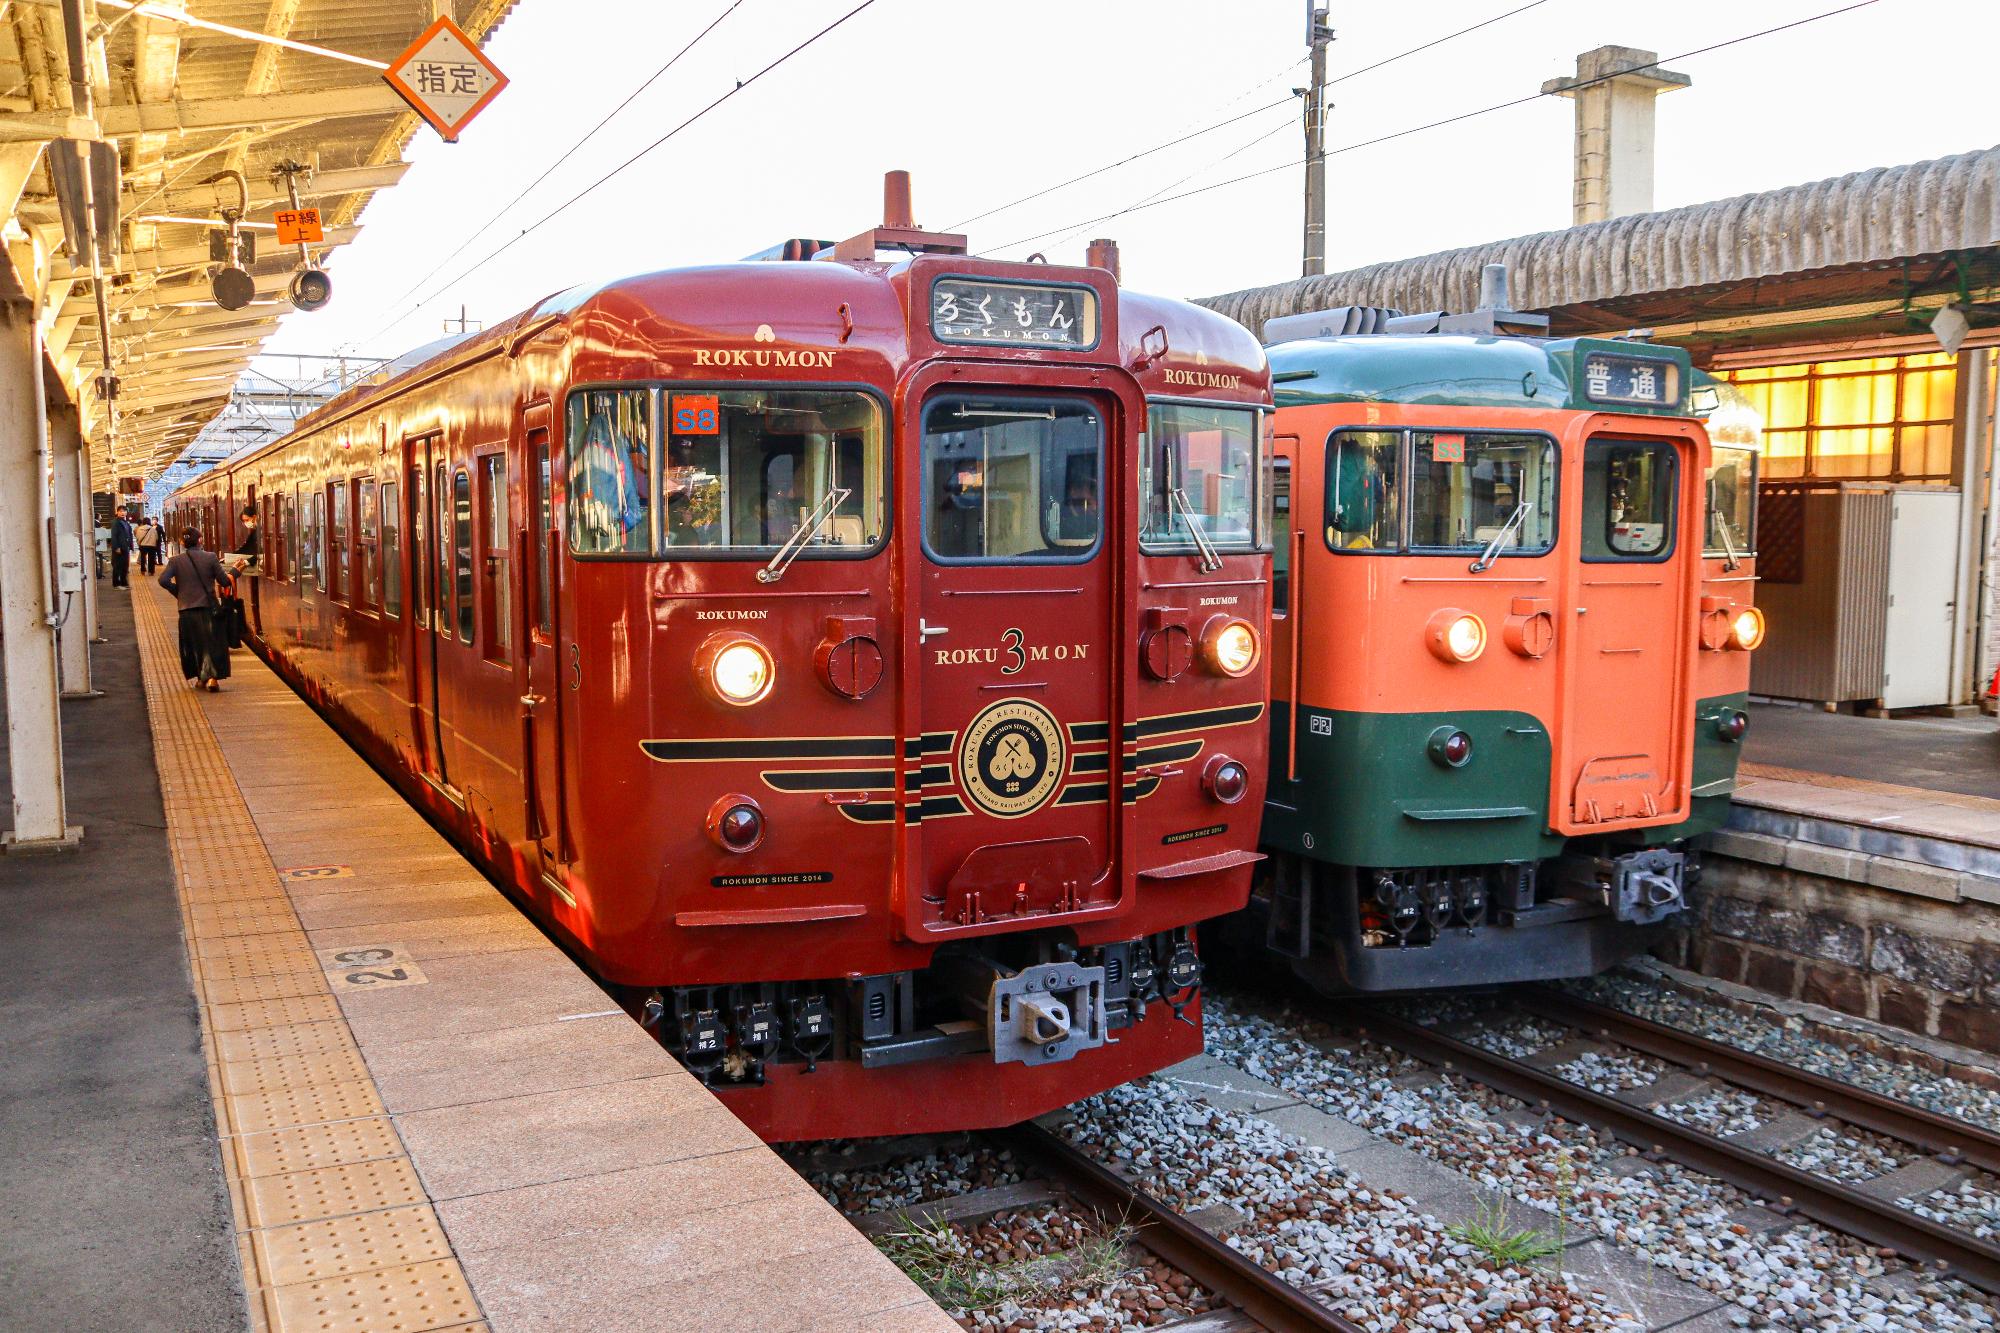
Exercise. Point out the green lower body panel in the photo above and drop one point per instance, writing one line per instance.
(1369, 794)
(1715, 761)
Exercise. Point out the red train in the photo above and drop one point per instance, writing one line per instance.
(860, 663)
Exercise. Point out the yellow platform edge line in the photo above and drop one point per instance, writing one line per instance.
(294, 1119)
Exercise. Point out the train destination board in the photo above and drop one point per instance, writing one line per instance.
(972, 310)
(1639, 380)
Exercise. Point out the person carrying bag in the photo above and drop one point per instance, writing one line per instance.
(198, 582)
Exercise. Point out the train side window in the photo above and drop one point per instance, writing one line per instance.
(1012, 479)
(339, 579)
(293, 536)
(1363, 490)
(461, 547)
(319, 540)
(1467, 490)
(495, 601)
(392, 549)
(1628, 499)
(441, 550)
(1281, 537)
(420, 551)
(610, 472)
(367, 560)
(544, 520)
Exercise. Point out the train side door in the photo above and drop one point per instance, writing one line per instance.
(1287, 606)
(1624, 730)
(542, 699)
(1020, 790)
(421, 458)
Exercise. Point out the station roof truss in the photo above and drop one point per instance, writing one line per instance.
(1861, 262)
(185, 103)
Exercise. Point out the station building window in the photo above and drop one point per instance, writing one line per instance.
(1886, 418)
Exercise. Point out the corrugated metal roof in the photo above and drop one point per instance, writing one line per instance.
(1871, 217)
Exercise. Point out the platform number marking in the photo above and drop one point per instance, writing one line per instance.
(696, 414)
(296, 873)
(370, 967)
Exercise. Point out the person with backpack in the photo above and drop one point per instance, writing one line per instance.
(199, 584)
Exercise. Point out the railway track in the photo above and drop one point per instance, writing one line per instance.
(1947, 1250)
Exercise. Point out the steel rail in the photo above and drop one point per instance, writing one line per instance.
(1951, 1251)
(1954, 1140)
(1249, 1286)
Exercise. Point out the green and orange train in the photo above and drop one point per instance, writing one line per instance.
(1510, 647)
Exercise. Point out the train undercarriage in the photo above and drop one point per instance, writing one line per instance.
(1354, 929)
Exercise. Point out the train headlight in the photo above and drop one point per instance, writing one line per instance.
(1226, 780)
(1747, 630)
(1449, 747)
(1229, 647)
(735, 823)
(1455, 636)
(737, 669)
(1731, 723)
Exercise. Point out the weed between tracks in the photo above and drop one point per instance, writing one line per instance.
(961, 1269)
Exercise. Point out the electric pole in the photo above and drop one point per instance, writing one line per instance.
(1317, 37)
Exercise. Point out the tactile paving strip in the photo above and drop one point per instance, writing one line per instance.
(335, 1230)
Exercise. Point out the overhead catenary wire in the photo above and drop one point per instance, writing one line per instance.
(567, 154)
(1224, 124)
(1295, 163)
(629, 162)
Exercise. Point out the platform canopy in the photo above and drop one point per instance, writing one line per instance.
(1864, 260)
(186, 103)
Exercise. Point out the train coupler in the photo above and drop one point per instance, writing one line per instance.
(1640, 888)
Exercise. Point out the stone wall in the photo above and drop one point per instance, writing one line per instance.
(1807, 924)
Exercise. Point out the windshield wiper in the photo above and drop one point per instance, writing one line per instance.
(1206, 560)
(1730, 560)
(1507, 529)
(808, 530)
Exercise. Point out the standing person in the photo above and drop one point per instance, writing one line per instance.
(236, 624)
(196, 579)
(103, 539)
(147, 536)
(121, 550)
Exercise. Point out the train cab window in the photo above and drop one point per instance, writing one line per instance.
(1732, 502)
(1200, 466)
(1281, 537)
(495, 581)
(1012, 479)
(749, 470)
(1467, 490)
(1628, 499)
(610, 472)
(1363, 496)
(461, 551)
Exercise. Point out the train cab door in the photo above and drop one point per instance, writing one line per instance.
(1623, 736)
(543, 698)
(1287, 606)
(1017, 798)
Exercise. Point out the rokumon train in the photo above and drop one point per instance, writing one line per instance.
(1512, 615)
(859, 663)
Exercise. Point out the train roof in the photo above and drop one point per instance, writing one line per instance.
(1456, 370)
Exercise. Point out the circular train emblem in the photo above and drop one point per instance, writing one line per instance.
(1012, 758)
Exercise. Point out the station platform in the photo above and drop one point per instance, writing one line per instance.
(371, 1094)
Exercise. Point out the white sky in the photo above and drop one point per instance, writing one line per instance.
(985, 102)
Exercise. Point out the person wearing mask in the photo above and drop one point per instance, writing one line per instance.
(236, 623)
(121, 550)
(147, 538)
(198, 582)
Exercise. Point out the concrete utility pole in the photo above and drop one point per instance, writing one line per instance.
(1614, 90)
(1317, 37)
